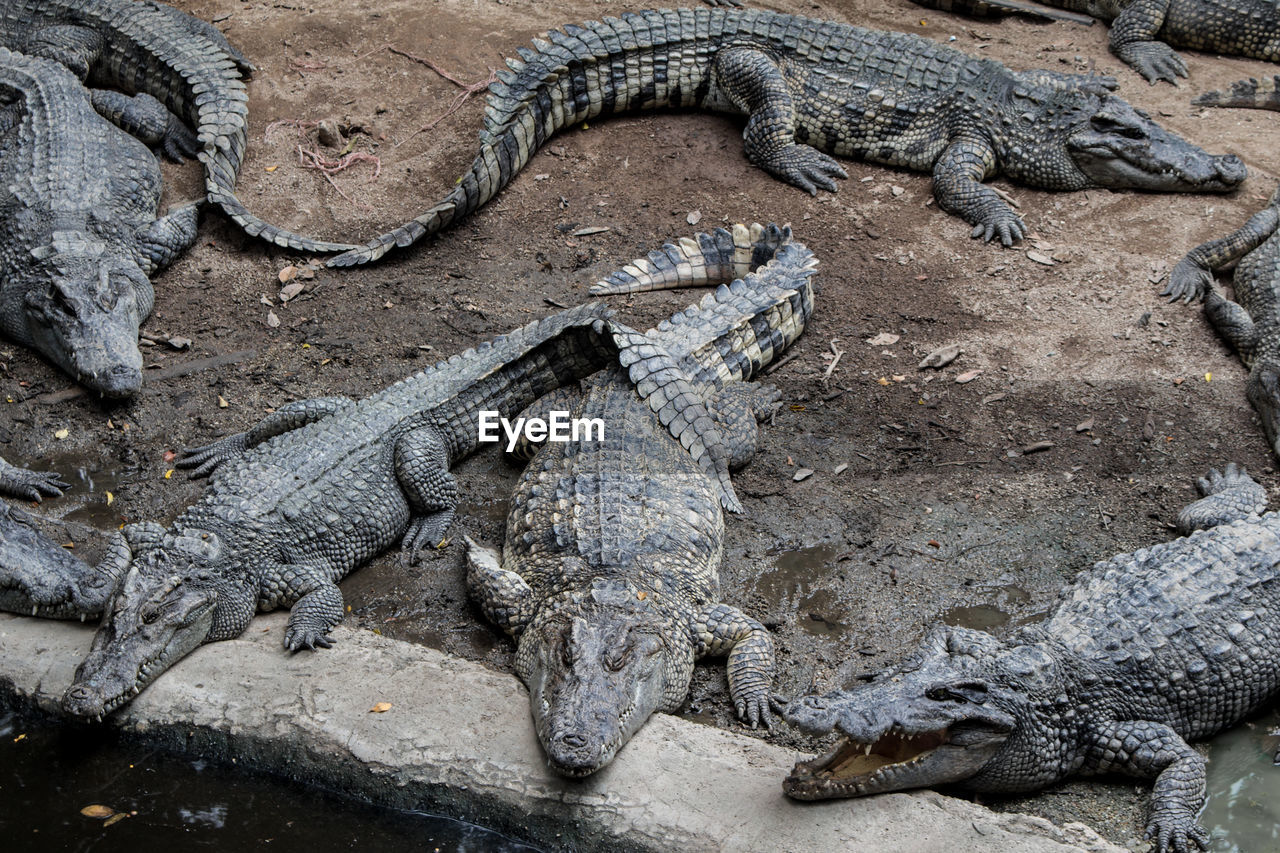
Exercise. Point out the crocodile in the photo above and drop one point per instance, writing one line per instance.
(40, 578)
(890, 98)
(1144, 652)
(30, 485)
(321, 486)
(1252, 93)
(609, 576)
(138, 46)
(1144, 32)
(1250, 323)
(78, 222)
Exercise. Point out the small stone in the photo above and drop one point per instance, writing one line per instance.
(328, 134)
(1085, 425)
(272, 320)
(694, 217)
(968, 376)
(884, 339)
(896, 190)
(802, 474)
(1040, 257)
(1037, 447)
(941, 357)
(841, 468)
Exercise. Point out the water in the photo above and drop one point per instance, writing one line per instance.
(50, 772)
(797, 582)
(1243, 812)
(91, 479)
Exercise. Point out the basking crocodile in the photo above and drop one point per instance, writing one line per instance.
(1251, 324)
(318, 488)
(609, 578)
(886, 97)
(1145, 652)
(78, 222)
(1252, 93)
(139, 46)
(40, 578)
(1144, 32)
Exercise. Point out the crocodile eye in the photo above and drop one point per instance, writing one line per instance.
(150, 614)
(614, 663)
(943, 694)
(61, 302)
(1106, 124)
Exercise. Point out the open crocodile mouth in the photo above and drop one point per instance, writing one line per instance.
(852, 769)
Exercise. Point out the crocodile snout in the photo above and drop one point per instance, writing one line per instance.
(1231, 169)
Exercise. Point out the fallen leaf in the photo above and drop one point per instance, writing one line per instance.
(1085, 425)
(590, 229)
(934, 543)
(802, 474)
(380, 708)
(222, 402)
(882, 381)
(115, 818)
(1037, 447)
(694, 217)
(99, 812)
(288, 274)
(884, 339)
(179, 343)
(110, 498)
(271, 168)
(968, 376)
(168, 474)
(897, 377)
(1039, 257)
(841, 468)
(169, 456)
(291, 290)
(62, 433)
(1208, 377)
(940, 357)
(272, 320)
(991, 398)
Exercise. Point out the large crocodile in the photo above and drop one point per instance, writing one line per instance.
(40, 578)
(1144, 32)
(1251, 323)
(79, 232)
(139, 46)
(318, 488)
(1144, 652)
(806, 84)
(1252, 93)
(609, 576)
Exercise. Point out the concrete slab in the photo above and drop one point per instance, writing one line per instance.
(458, 740)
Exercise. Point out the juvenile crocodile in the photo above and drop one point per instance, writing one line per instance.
(315, 490)
(1144, 32)
(1252, 93)
(138, 46)
(1144, 652)
(889, 98)
(40, 578)
(79, 232)
(609, 577)
(1251, 324)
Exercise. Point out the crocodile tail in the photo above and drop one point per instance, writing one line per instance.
(707, 258)
(672, 395)
(1253, 93)
(575, 74)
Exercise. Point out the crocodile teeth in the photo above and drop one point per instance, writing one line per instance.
(867, 749)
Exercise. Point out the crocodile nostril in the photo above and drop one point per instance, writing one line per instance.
(573, 740)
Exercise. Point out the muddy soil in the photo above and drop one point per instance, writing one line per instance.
(928, 499)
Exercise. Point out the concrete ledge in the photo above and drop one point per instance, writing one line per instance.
(458, 740)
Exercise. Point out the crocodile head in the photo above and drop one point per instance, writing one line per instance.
(39, 578)
(1263, 391)
(164, 608)
(942, 716)
(597, 667)
(86, 319)
(1074, 138)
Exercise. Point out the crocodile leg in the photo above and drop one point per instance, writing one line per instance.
(1193, 275)
(737, 410)
(1232, 322)
(1132, 39)
(1144, 748)
(1229, 495)
(205, 460)
(317, 610)
(422, 468)
(957, 184)
(168, 237)
(76, 47)
(503, 596)
(754, 83)
(720, 629)
(30, 485)
(147, 119)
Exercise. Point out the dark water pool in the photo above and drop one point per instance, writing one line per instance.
(149, 800)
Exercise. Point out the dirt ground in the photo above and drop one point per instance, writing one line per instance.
(939, 509)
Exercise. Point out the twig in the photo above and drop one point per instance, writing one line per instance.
(468, 89)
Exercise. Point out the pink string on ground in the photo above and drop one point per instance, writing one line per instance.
(311, 158)
(468, 89)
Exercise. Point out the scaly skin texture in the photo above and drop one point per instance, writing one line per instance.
(315, 490)
(609, 578)
(185, 63)
(1253, 93)
(1145, 652)
(811, 87)
(1251, 323)
(1144, 32)
(79, 231)
(30, 485)
(40, 578)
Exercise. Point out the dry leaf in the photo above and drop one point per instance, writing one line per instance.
(291, 290)
(115, 818)
(380, 708)
(288, 274)
(802, 474)
(941, 357)
(62, 433)
(968, 376)
(168, 474)
(1085, 425)
(590, 229)
(222, 402)
(272, 320)
(883, 339)
(97, 811)
(110, 498)
(882, 381)
(1040, 257)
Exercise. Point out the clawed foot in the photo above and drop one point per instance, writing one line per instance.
(179, 143)
(1176, 831)
(754, 710)
(423, 533)
(805, 167)
(205, 460)
(1005, 224)
(299, 637)
(1188, 282)
(31, 485)
(1155, 61)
